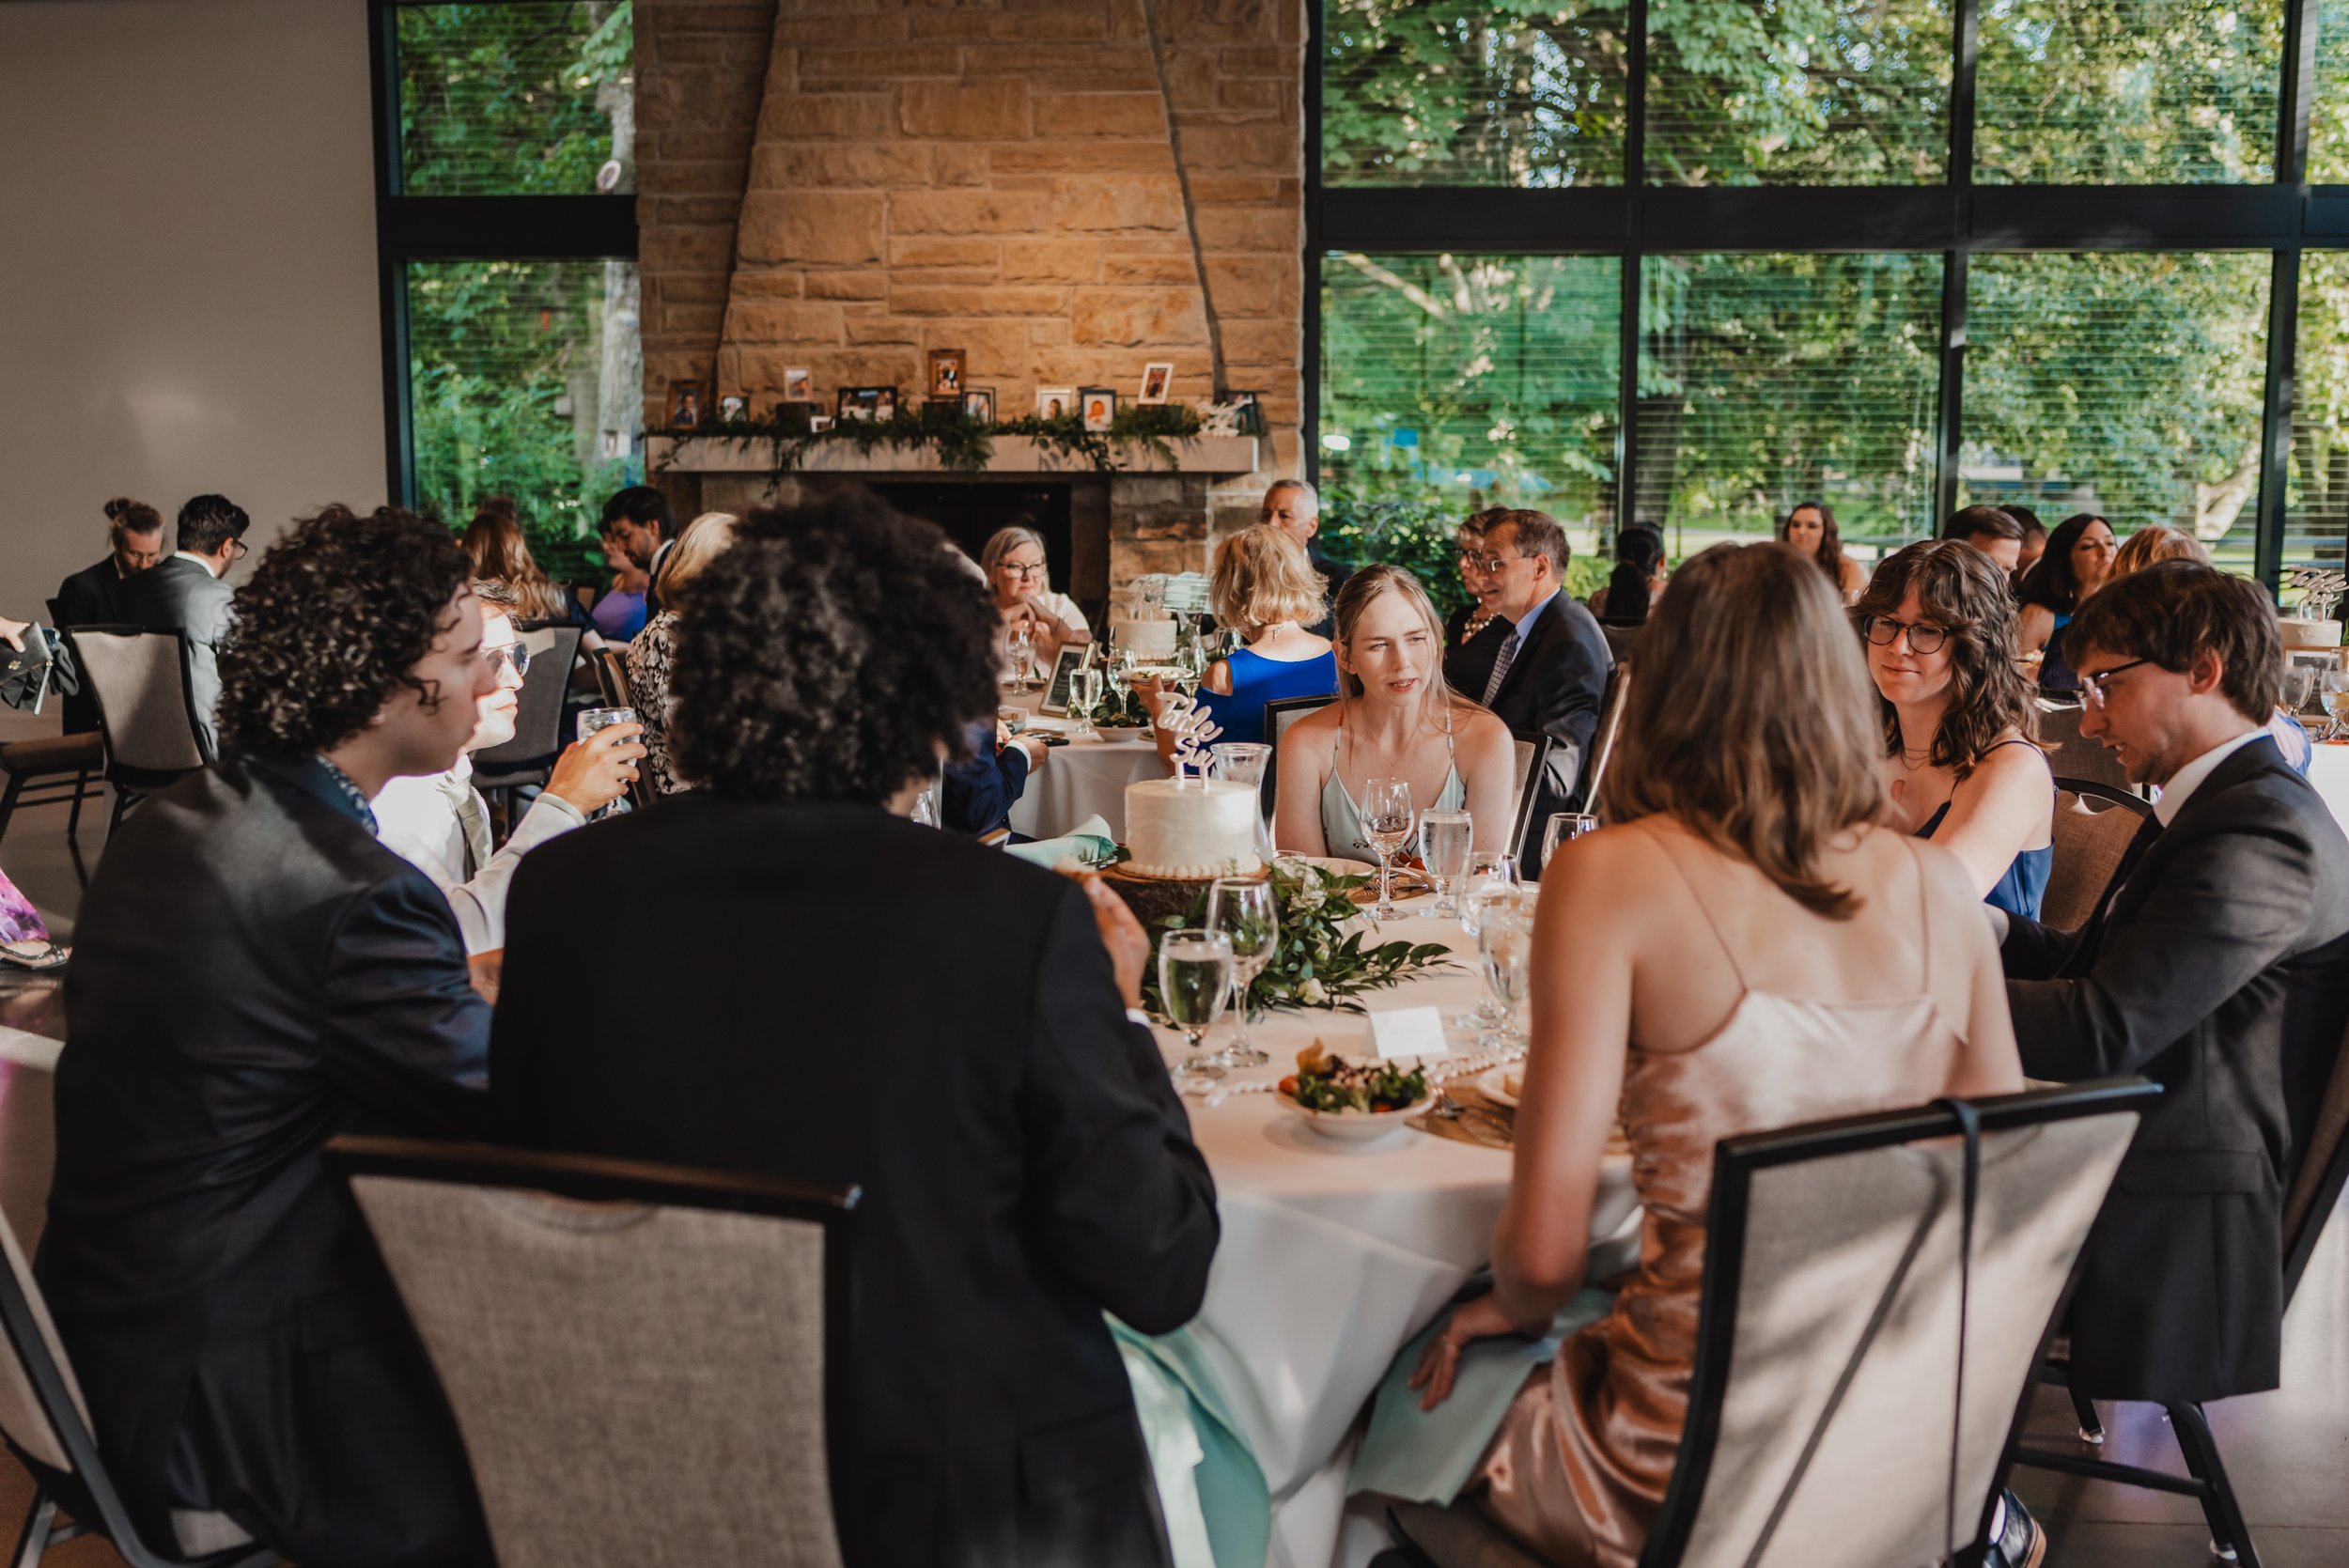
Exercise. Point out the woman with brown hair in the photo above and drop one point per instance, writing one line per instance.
(2078, 560)
(1810, 532)
(1773, 951)
(1961, 759)
(499, 552)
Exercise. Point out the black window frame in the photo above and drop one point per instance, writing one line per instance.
(1958, 218)
(458, 228)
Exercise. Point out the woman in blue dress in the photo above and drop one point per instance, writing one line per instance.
(1266, 591)
(2078, 561)
(1961, 754)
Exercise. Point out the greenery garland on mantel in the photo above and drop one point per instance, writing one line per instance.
(959, 442)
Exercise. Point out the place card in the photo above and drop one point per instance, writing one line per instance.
(1397, 1031)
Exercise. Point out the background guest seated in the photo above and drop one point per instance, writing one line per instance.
(2078, 558)
(1811, 533)
(1265, 592)
(1394, 719)
(620, 614)
(1020, 576)
(977, 793)
(188, 593)
(252, 975)
(1294, 507)
(1994, 531)
(1632, 587)
(134, 541)
(1768, 958)
(649, 656)
(1472, 634)
(499, 552)
(1961, 754)
(1023, 1171)
(2217, 965)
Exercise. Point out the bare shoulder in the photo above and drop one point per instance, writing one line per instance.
(1315, 734)
(1483, 735)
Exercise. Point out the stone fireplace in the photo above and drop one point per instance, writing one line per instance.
(1063, 190)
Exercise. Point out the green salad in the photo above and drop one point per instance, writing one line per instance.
(1326, 1082)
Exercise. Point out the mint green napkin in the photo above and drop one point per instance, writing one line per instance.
(1090, 842)
(1232, 1499)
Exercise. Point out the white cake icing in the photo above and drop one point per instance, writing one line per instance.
(1153, 639)
(1192, 828)
(2300, 632)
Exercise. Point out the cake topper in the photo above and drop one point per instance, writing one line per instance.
(1194, 732)
(2319, 590)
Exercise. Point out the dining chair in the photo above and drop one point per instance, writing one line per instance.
(2093, 824)
(1279, 714)
(1611, 702)
(146, 708)
(1877, 1290)
(47, 1424)
(612, 686)
(529, 757)
(646, 1364)
(49, 770)
(2072, 755)
(1532, 755)
(2312, 1193)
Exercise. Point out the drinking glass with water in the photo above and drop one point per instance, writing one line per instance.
(1446, 840)
(594, 719)
(1194, 979)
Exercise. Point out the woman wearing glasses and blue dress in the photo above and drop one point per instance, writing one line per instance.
(1961, 754)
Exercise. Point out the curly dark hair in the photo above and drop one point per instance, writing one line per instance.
(843, 645)
(1962, 591)
(333, 620)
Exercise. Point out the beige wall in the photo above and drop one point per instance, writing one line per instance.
(187, 268)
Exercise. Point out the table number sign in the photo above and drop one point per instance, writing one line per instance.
(1194, 732)
(1056, 690)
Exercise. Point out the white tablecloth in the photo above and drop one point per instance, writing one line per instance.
(1334, 1254)
(2329, 771)
(1082, 779)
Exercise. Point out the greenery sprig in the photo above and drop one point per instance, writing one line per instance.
(961, 442)
(1319, 963)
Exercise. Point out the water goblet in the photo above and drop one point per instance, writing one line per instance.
(594, 719)
(1020, 643)
(1492, 878)
(1565, 827)
(1446, 839)
(1504, 948)
(1194, 980)
(1243, 909)
(1084, 694)
(1388, 817)
(2335, 684)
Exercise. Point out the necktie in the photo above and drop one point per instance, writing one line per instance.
(1501, 669)
(467, 805)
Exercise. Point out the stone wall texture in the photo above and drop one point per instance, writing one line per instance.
(1062, 189)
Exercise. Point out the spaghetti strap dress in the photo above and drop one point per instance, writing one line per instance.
(2020, 890)
(1342, 819)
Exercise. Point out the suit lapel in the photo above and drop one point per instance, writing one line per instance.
(1543, 625)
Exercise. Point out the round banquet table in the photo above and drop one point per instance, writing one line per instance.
(1084, 778)
(1334, 1254)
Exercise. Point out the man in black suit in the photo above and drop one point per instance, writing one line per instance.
(190, 594)
(846, 996)
(252, 974)
(640, 520)
(1549, 675)
(134, 541)
(2217, 965)
(1293, 506)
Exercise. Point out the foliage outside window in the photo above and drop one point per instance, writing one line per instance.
(2329, 113)
(2317, 496)
(532, 99)
(2126, 385)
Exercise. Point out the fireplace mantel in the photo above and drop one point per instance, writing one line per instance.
(1200, 454)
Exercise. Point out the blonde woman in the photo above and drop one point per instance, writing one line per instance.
(1014, 565)
(1264, 590)
(1394, 719)
(2155, 542)
(1767, 957)
(649, 656)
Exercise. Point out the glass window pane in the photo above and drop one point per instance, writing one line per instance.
(2317, 502)
(534, 99)
(1814, 92)
(2123, 92)
(1472, 92)
(1769, 380)
(2328, 116)
(526, 381)
(2127, 385)
(1454, 382)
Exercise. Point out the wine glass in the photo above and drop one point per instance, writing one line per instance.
(2336, 685)
(2298, 683)
(1387, 817)
(1194, 978)
(1242, 910)
(1565, 827)
(1504, 946)
(1492, 880)
(1084, 694)
(1446, 839)
(1020, 643)
(594, 719)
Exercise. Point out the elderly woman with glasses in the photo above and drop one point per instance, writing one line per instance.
(1014, 564)
(1961, 759)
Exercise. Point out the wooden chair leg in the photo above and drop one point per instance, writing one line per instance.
(34, 1540)
(2231, 1536)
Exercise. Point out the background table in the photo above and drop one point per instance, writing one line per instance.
(1334, 1254)
(1084, 778)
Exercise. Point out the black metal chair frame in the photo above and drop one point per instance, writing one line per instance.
(89, 1491)
(53, 789)
(2207, 1479)
(1521, 825)
(585, 1178)
(612, 684)
(133, 785)
(2110, 795)
(1272, 711)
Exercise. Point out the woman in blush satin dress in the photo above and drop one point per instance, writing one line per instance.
(1771, 952)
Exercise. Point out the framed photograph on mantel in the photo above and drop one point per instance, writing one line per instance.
(978, 402)
(1099, 404)
(868, 402)
(946, 374)
(1055, 402)
(1156, 379)
(685, 405)
(798, 385)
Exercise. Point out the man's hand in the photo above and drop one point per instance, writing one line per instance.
(1037, 752)
(593, 772)
(1129, 944)
(488, 968)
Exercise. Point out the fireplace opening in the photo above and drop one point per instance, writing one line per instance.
(971, 513)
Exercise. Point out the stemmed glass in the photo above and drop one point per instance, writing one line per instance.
(2336, 684)
(1446, 839)
(595, 718)
(1565, 827)
(1020, 642)
(1387, 817)
(1084, 694)
(1492, 880)
(1504, 943)
(1242, 910)
(1194, 978)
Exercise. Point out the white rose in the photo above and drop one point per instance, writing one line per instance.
(1312, 993)
(1321, 951)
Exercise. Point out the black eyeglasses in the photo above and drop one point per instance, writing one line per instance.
(1884, 631)
(513, 653)
(2092, 687)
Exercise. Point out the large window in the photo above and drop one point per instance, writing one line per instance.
(1896, 255)
(507, 242)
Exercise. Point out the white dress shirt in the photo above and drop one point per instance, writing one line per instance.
(2186, 780)
(428, 820)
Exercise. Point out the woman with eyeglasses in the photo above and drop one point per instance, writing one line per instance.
(1962, 762)
(1016, 572)
(2079, 562)
(1472, 634)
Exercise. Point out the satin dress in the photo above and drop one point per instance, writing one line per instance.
(1578, 1468)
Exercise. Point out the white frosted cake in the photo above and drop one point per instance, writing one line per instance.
(1192, 828)
(1147, 639)
(2301, 633)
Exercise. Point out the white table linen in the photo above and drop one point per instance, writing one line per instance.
(2329, 771)
(1084, 778)
(1334, 1254)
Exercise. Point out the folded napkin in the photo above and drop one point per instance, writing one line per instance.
(1090, 842)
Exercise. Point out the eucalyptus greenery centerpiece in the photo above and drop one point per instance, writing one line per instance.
(1319, 963)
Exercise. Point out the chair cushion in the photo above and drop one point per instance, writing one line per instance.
(52, 754)
(201, 1534)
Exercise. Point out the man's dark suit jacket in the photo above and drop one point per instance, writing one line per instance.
(846, 996)
(252, 975)
(2219, 968)
(1468, 665)
(179, 595)
(977, 797)
(1333, 578)
(88, 597)
(1554, 686)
